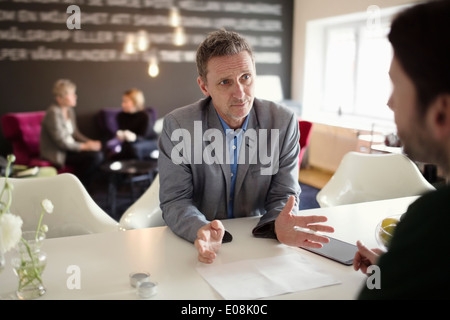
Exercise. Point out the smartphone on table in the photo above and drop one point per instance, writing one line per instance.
(337, 250)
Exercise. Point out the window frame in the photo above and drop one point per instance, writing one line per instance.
(316, 46)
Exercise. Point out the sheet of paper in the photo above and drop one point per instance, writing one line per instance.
(260, 278)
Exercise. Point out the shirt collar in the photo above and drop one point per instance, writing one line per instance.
(226, 127)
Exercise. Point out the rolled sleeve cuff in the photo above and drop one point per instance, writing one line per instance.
(266, 230)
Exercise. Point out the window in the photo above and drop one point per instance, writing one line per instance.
(346, 70)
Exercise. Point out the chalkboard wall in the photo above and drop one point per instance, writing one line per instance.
(40, 43)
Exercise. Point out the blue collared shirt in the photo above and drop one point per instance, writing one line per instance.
(234, 141)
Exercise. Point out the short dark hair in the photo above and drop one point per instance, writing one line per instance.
(420, 37)
(220, 43)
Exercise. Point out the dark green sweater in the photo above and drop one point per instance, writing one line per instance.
(417, 264)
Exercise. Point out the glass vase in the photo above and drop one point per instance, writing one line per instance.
(2, 255)
(28, 262)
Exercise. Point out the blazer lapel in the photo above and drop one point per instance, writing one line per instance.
(213, 122)
(248, 150)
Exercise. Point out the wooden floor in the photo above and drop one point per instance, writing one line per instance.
(314, 177)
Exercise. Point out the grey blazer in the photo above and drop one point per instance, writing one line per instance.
(197, 190)
(53, 140)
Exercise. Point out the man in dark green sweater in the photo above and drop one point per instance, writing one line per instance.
(417, 261)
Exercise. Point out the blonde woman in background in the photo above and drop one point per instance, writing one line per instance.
(61, 142)
(136, 135)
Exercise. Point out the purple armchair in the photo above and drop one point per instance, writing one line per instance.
(22, 130)
(107, 120)
(108, 124)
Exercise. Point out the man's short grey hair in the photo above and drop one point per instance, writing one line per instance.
(217, 44)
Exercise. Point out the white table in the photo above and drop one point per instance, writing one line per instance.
(105, 260)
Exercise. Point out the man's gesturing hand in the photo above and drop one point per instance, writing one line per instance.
(287, 233)
(209, 241)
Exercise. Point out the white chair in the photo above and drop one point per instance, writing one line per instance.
(145, 212)
(158, 126)
(364, 177)
(75, 212)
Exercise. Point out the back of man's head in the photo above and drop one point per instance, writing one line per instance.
(420, 37)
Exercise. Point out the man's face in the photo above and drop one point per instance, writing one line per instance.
(230, 82)
(411, 125)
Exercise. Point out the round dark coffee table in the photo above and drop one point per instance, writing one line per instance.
(128, 171)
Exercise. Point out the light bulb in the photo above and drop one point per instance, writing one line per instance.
(129, 44)
(153, 68)
(142, 42)
(179, 37)
(174, 17)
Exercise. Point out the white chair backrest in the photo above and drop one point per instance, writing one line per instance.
(75, 212)
(145, 212)
(364, 177)
(158, 126)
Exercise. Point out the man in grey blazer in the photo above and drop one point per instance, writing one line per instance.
(230, 155)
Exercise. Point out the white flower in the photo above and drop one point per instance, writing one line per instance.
(11, 158)
(47, 205)
(11, 230)
(44, 228)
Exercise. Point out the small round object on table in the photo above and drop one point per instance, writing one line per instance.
(135, 277)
